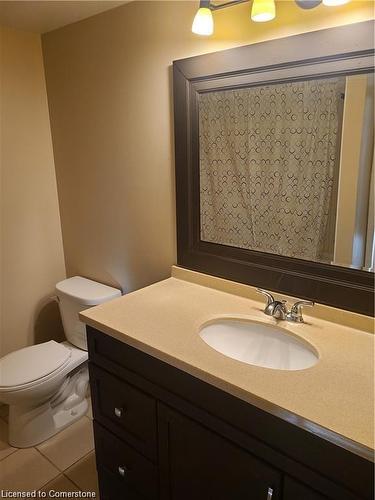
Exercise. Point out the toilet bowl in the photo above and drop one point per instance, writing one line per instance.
(46, 385)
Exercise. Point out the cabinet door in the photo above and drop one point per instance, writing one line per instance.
(196, 463)
(294, 490)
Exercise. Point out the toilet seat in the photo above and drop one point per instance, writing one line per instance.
(31, 365)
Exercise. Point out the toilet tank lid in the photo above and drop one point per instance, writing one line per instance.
(86, 292)
(32, 363)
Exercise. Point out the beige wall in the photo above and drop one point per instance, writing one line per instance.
(31, 245)
(110, 97)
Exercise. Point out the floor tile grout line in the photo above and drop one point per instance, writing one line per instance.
(84, 456)
(62, 470)
(63, 473)
(47, 458)
(71, 465)
(50, 461)
(52, 478)
(71, 480)
(9, 454)
(44, 456)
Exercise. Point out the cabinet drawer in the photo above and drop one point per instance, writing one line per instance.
(125, 410)
(131, 472)
(113, 488)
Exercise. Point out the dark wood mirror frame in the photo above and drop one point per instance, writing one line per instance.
(343, 50)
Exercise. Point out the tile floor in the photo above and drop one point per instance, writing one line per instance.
(65, 462)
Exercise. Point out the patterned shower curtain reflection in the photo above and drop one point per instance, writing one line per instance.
(269, 162)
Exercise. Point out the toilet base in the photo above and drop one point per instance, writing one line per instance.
(30, 426)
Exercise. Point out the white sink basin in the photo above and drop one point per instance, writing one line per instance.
(259, 344)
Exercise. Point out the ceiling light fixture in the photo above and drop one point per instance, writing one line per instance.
(308, 4)
(203, 23)
(261, 11)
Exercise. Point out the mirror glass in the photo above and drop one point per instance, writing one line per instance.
(287, 168)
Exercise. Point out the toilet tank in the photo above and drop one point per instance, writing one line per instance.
(76, 294)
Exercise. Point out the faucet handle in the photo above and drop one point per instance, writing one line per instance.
(267, 294)
(295, 313)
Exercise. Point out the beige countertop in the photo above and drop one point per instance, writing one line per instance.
(337, 394)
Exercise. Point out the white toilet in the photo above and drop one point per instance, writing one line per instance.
(45, 385)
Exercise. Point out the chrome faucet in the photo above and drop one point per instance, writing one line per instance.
(278, 310)
(295, 313)
(275, 308)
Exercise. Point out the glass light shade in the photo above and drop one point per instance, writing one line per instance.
(263, 11)
(333, 3)
(203, 23)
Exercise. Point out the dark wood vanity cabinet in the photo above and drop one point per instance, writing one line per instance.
(198, 463)
(293, 490)
(163, 434)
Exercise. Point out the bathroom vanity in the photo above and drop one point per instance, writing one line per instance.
(175, 419)
(267, 195)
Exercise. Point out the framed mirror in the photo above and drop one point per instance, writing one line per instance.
(275, 165)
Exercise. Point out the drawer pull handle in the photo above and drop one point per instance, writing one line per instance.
(119, 412)
(122, 470)
(270, 494)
